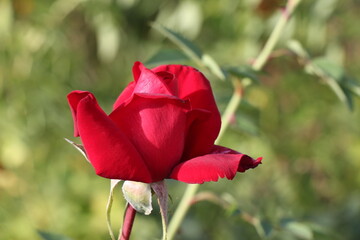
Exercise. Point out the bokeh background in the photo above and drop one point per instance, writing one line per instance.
(308, 186)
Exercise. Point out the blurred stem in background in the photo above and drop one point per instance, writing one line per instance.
(233, 104)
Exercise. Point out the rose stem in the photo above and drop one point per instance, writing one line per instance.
(129, 218)
(235, 100)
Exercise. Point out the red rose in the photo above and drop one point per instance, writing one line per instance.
(163, 125)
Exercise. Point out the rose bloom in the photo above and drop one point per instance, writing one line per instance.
(163, 125)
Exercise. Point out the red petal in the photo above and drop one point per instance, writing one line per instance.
(156, 126)
(197, 141)
(193, 85)
(221, 162)
(170, 81)
(149, 82)
(73, 99)
(109, 150)
(136, 70)
(146, 81)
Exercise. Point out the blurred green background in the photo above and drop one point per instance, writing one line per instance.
(308, 186)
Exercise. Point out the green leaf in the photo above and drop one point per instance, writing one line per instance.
(167, 56)
(184, 44)
(51, 236)
(334, 76)
(244, 72)
(296, 47)
(352, 85)
(191, 50)
(267, 228)
(213, 66)
(349, 97)
(297, 229)
(349, 85)
(331, 69)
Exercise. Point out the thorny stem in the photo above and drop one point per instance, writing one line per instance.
(234, 102)
(275, 35)
(129, 218)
